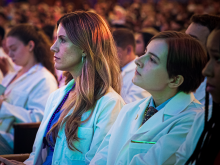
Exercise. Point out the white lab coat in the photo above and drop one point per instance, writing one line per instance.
(90, 133)
(129, 91)
(188, 147)
(168, 128)
(25, 99)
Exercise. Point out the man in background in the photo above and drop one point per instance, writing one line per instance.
(125, 43)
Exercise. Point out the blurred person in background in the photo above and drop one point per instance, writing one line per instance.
(200, 28)
(6, 64)
(202, 144)
(141, 41)
(27, 89)
(125, 44)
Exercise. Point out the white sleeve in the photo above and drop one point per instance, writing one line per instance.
(34, 107)
(105, 120)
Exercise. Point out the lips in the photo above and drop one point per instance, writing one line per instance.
(56, 58)
(210, 88)
(137, 73)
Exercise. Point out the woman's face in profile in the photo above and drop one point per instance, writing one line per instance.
(67, 56)
(19, 53)
(212, 69)
(151, 73)
(139, 49)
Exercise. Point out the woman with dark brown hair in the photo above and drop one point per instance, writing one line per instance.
(79, 115)
(151, 130)
(26, 90)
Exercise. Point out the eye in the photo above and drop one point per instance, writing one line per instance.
(62, 40)
(152, 60)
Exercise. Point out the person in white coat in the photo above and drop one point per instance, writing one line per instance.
(28, 89)
(125, 43)
(151, 130)
(79, 115)
(202, 144)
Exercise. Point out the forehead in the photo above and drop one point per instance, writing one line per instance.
(158, 47)
(197, 30)
(12, 41)
(213, 42)
(61, 30)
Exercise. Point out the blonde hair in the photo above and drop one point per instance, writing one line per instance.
(89, 32)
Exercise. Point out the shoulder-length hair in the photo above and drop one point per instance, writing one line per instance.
(100, 71)
(186, 57)
(42, 53)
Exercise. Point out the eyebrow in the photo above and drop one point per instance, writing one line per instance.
(62, 36)
(11, 45)
(154, 55)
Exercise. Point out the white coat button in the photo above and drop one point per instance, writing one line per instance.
(56, 162)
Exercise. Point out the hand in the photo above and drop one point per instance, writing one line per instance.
(4, 65)
(9, 162)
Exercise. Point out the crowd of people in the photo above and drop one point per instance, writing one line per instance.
(112, 84)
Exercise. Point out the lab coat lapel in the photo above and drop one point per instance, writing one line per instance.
(175, 106)
(53, 107)
(137, 119)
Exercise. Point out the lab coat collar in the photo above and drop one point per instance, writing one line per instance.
(32, 70)
(175, 106)
(129, 67)
(57, 100)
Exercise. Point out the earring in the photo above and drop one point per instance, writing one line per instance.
(83, 59)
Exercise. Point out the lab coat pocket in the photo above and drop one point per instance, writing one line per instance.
(18, 98)
(137, 148)
(85, 138)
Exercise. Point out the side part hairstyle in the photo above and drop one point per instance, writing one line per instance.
(210, 21)
(90, 33)
(42, 53)
(184, 52)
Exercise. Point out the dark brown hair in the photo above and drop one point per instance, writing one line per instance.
(124, 37)
(42, 53)
(210, 21)
(100, 71)
(186, 57)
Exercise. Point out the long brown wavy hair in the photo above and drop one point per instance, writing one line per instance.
(42, 53)
(100, 71)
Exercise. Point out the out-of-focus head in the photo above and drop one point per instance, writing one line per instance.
(85, 45)
(142, 39)
(125, 43)
(25, 42)
(2, 34)
(201, 26)
(212, 69)
(172, 60)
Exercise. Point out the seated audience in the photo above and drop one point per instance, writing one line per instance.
(79, 115)
(200, 28)
(202, 143)
(6, 65)
(125, 44)
(28, 89)
(151, 130)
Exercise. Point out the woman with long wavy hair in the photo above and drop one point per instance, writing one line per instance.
(79, 115)
(26, 90)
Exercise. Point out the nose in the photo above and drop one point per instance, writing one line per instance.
(138, 62)
(54, 48)
(208, 70)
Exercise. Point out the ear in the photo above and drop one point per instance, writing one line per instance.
(176, 81)
(31, 45)
(129, 49)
